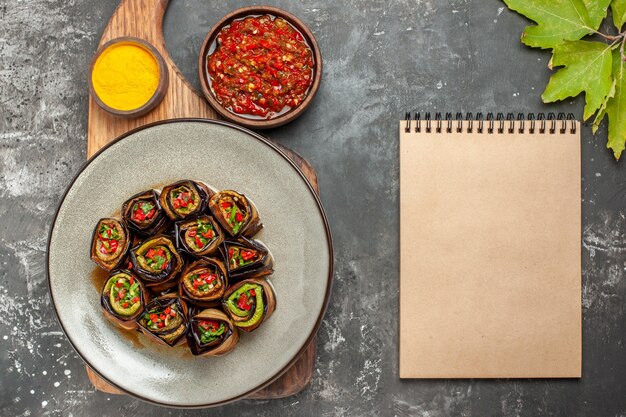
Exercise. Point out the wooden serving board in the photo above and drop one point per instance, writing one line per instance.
(144, 19)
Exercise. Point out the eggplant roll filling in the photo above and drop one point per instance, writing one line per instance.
(246, 305)
(239, 257)
(200, 236)
(109, 243)
(203, 281)
(156, 259)
(164, 319)
(235, 213)
(209, 333)
(122, 295)
(247, 258)
(184, 198)
(143, 214)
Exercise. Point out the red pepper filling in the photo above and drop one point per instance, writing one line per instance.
(156, 258)
(242, 303)
(143, 210)
(182, 199)
(238, 257)
(126, 292)
(261, 66)
(246, 300)
(202, 234)
(109, 238)
(210, 330)
(156, 319)
(209, 325)
(233, 215)
(202, 282)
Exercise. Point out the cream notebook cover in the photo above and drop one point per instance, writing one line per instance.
(490, 249)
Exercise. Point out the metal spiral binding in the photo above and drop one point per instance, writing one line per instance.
(520, 118)
(500, 119)
(549, 123)
(561, 117)
(542, 118)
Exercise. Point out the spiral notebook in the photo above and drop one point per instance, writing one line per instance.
(490, 247)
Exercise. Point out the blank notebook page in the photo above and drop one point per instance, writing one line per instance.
(490, 253)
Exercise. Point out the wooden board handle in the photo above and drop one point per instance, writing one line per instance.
(139, 18)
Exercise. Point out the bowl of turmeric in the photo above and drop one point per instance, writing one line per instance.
(128, 77)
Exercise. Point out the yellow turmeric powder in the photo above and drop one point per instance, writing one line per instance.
(125, 76)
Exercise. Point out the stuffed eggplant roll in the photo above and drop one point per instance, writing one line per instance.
(249, 303)
(203, 283)
(211, 333)
(184, 199)
(200, 236)
(157, 262)
(143, 214)
(164, 318)
(123, 299)
(109, 243)
(235, 213)
(246, 258)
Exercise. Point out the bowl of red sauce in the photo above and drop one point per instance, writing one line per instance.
(260, 67)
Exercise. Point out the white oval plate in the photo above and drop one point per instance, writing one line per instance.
(296, 231)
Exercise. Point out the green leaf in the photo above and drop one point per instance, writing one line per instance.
(557, 20)
(618, 8)
(616, 108)
(602, 111)
(587, 67)
(597, 10)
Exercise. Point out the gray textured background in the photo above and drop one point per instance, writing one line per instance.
(381, 58)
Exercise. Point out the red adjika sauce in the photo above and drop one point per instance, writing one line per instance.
(262, 66)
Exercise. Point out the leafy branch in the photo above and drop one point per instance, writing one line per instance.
(595, 67)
